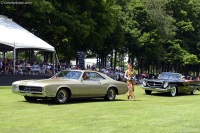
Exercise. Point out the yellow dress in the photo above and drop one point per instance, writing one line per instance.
(131, 76)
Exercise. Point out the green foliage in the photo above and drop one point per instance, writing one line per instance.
(185, 14)
(174, 52)
(22, 55)
(164, 21)
(178, 54)
(9, 55)
(144, 28)
(190, 59)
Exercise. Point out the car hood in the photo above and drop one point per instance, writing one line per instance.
(44, 82)
(161, 80)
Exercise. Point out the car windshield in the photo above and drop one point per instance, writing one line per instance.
(68, 75)
(170, 76)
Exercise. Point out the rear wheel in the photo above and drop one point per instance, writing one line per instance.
(173, 91)
(30, 99)
(148, 92)
(111, 94)
(194, 91)
(62, 96)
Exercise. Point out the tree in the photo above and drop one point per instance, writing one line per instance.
(187, 34)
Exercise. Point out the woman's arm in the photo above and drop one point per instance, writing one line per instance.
(125, 75)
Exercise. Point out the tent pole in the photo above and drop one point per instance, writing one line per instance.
(14, 58)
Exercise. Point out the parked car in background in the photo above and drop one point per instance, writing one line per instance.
(172, 83)
(70, 84)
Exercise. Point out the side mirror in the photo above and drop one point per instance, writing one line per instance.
(82, 79)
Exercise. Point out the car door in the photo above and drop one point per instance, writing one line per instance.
(92, 86)
(187, 86)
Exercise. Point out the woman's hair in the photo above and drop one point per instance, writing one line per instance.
(129, 64)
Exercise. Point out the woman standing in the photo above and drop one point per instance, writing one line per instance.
(129, 76)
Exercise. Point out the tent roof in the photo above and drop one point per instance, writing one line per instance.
(13, 35)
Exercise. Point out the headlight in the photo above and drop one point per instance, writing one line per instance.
(144, 83)
(165, 84)
(15, 87)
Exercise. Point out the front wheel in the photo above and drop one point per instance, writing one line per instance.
(173, 91)
(30, 99)
(110, 95)
(62, 96)
(194, 91)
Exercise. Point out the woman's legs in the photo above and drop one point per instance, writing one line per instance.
(133, 96)
(130, 90)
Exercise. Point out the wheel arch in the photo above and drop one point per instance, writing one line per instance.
(195, 87)
(172, 91)
(115, 88)
(175, 85)
(66, 88)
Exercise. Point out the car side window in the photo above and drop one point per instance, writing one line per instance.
(73, 75)
(95, 76)
(86, 76)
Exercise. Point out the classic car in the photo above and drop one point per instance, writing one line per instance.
(70, 84)
(173, 83)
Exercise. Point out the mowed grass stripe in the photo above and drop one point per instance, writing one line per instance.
(148, 113)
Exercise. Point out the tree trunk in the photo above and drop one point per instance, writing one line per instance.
(111, 60)
(115, 62)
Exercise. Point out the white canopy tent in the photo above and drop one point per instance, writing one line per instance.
(13, 36)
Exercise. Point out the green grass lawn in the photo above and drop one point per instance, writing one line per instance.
(156, 113)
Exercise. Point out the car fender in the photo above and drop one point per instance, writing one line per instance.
(172, 85)
(63, 86)
(52, 90)
(113, 86)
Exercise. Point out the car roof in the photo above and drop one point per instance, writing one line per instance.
(79, 70)
(169, 73)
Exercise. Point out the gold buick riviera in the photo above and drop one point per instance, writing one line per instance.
(70, 84)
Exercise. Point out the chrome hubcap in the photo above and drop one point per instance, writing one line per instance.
(62, 96)
(173, 91)
(194, 91)
(111, 94)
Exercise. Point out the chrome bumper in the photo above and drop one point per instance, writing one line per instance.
(31, 94)
(168, 89)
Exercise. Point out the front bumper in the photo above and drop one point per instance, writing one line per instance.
(31, 94)
(168, 89)
(33, 91)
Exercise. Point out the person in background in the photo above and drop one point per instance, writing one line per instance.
(86, 77)
(197, 78)
(44, 68)
(129, 76)
(93, 67)
(6, 66)
(49, 69)
(1, 66)
(35, 68)
(117, 75)
(17, 65)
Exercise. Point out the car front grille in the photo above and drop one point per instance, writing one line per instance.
(154, 84)
(32, 89)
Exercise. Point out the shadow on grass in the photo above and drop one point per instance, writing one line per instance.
(168, 94)
(50, 102)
